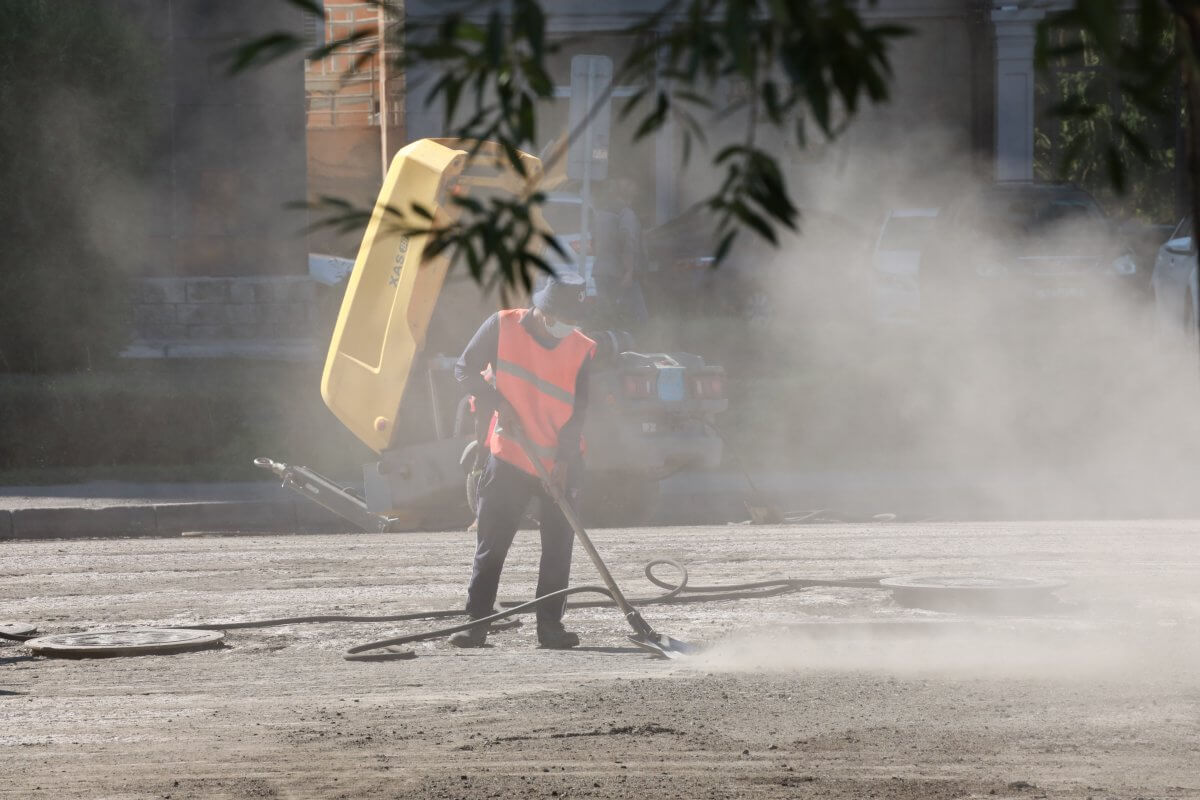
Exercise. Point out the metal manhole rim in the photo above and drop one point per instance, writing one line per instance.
(12, 627)
(131, 641)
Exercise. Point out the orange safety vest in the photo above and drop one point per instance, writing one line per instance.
(539, 383)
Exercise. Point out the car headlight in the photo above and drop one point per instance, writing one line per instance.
(1124, 265)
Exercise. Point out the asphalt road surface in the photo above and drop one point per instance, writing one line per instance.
(832, 693)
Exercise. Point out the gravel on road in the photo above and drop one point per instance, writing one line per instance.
(829, 692)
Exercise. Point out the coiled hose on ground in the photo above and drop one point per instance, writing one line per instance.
(679, 592)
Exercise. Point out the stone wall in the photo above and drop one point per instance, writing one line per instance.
(224, 317)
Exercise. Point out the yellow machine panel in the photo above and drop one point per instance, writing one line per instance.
(393, 288)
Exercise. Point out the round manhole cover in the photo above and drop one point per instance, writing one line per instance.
(972, 592)
(16, 630)
(124, 642)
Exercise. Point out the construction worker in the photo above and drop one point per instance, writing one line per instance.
(539, 364)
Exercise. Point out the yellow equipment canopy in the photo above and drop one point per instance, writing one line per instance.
(393, 288)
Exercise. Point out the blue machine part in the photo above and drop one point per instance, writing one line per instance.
(670, 384)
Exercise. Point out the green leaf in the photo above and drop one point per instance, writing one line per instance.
(494, 47)
(695, 98)
(817, 92)
(1116, 168)
(1070, 157)
(262, 50)
(754, 220)
(554, 244)
(527, 131)
(724, 246)
(343, 43)
(632, 101)
(314, 7)
(655, 119)
(1073, 108)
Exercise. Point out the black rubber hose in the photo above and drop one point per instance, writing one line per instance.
(359, 652)
(677, 593)
(791, 583)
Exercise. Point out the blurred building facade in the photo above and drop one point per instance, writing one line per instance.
(224, 265)
(354, 111)
(962, 85)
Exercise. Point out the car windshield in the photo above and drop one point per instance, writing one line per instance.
(1042, 221)
(1034, 213)
(907, 233)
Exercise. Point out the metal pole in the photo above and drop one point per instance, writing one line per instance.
(383, 97)
(586, 194)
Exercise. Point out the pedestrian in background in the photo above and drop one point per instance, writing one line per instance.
(619, 258)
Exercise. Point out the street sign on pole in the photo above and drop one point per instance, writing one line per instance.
(587, 155)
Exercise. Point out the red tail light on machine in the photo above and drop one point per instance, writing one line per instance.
(639, 386)
(708, 386)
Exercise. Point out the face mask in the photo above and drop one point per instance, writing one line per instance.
(560, 330)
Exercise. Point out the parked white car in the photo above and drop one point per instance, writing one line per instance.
(1175, 287)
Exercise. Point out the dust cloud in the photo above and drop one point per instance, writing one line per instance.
(1016, 648)
(999, 340)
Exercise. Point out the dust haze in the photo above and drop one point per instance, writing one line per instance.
(1045, 649)
(1016, 363)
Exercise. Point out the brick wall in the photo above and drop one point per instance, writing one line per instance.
(345, 151)
(340, 95)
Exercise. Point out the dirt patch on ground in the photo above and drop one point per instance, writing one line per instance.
(1099, 697)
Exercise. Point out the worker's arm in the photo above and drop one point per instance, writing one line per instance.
(481, 351)
(570, 437)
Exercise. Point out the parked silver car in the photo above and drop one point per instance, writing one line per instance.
(1175, 287)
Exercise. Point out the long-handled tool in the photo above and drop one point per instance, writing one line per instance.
(644, 636)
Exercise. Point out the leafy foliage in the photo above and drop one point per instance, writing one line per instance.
(1109, 77)
(74, 123)
(804, 63)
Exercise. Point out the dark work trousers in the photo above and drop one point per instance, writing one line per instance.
(504, 494)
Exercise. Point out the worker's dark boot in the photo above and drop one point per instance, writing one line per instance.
(553, 636)
(471, 637)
